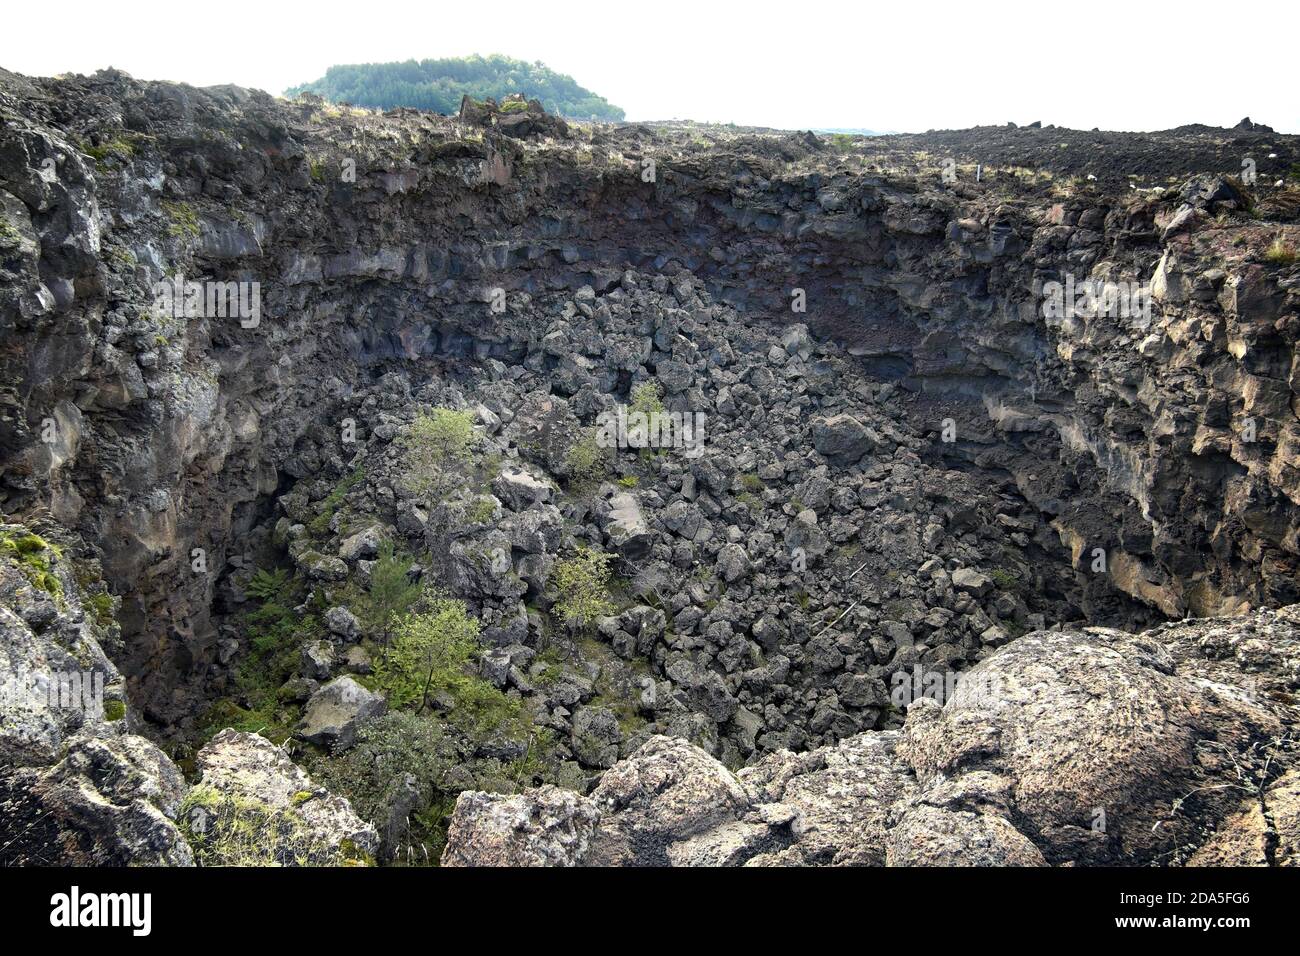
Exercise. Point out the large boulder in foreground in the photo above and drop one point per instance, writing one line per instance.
(1085, 747)
(110, 801)
(255, 807)
(544, 827)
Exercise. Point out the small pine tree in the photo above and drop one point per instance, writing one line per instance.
(392, 593)
(645, 399)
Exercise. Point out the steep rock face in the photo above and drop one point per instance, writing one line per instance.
(1065, 747)
(76, 786)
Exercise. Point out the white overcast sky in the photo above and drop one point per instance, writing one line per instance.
(905, 65)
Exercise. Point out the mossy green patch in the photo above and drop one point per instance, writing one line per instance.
(35, 558)
(183, 221)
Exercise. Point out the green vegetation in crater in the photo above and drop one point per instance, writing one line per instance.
(646, 400)
(391, 593)
(429, 658)
(1281, 253)
(435, 442)
(583, 582)
(320, 525)
(182, 220)
(439, 85)
(276, 635)
(585, 460)
(114, 710)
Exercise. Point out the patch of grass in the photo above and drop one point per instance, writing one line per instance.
(118, 148)
(481, 511)
(629, 481)
(1281, 253)
(114, 710)
(183, 221)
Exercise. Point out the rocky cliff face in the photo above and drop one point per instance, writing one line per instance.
(907, 460)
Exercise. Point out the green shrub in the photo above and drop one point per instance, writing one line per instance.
(583, 584)
(391, 594)
(1003, 579)
(645, 399)
(435, 440)
(585, 460)
(430, 657)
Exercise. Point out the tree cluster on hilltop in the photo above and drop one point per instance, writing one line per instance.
(439, 85)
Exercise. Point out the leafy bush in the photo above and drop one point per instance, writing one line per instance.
(436, 439)
(440, 84)
(583, 583)
(585, 460)
(430, 656)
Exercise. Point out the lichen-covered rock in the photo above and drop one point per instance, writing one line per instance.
(1086, 726)
(931, 836)
(254, 806)
(840, 795)
(544, 827)
(336, 711)
(110, 801)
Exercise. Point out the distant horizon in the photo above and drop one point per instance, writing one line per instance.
(828, 68)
